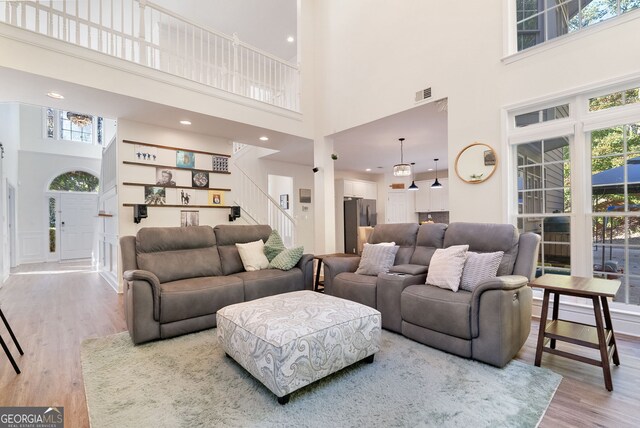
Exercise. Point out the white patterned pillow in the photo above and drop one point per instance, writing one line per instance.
(446, 265)
(377, 258)
(252, 255)
(478, 268)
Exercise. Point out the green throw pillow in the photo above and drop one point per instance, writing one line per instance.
(273, 246)
(287, 258)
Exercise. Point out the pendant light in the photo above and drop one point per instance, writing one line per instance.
(413, 182)
(436, 184)
(401, 169)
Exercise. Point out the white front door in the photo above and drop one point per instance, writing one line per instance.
(77, 225)
(397, 207)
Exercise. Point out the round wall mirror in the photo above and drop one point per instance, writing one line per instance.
(476, 163)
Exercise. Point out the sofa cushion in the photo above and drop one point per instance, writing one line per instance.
(403, 234)
(273, 246)
(478, 268)
(252, 255)
(174, 253)
(270, 281)
(287, 258)
(227, 236)
(377, 258)
(430, 237)
(354, 287)
(189, 298)
(486, 238)
(437, 309)
(447, 264)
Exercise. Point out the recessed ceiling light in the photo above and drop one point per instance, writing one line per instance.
(368, 169)
(290, 39)
(430, 169)
(263, 138)
(55, 95)
(185, 122)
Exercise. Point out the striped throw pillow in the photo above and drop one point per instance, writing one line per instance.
(478, 268)
(377, 258)
(446, 265)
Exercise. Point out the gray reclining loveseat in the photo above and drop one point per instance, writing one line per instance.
(489, 324)
(176, 278)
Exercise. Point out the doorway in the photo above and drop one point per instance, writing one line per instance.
(77, 225)
(280, 209)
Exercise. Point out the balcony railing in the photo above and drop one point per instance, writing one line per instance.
(146, 34)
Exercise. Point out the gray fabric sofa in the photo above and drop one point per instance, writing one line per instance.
(176, 278)
(489, 324)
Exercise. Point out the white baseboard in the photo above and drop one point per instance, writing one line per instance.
(111, 279)
(627, 323)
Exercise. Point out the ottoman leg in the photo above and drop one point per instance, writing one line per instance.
(284, 400)
(369, 359)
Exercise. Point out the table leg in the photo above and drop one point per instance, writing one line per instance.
(9, 356)
(543, 326)
(554, 316)
(602, 342)
(13, 336)
(609, 326)
(316, 285)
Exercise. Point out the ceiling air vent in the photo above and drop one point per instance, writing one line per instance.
(423, 94)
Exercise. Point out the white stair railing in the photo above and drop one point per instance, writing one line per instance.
(260, 207)
(146, 34)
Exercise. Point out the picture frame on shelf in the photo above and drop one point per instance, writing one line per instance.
(155, 195)
(189, 218)
(165, 177)
(185, 159)
(220, 163)
(186, 197)
(305, 196)
(200, 179)
(216, 197)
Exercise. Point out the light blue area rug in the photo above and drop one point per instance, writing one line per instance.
(188, 382)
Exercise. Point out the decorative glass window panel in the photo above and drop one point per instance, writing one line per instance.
(52, 225)
(615, 99)
(50, 123)
(75, 181)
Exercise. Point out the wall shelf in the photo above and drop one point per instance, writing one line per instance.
(180, 206)
(155, 165)
(174, 148)
(175, 187)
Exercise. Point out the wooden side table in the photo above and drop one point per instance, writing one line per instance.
(600, 336)
(320, 257)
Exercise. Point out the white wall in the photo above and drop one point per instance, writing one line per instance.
(259, 168)
(375, 55)
(10, 140)
(36, 170)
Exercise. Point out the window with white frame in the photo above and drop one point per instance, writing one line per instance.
(71, 126)
(538, 21)
(580, 191)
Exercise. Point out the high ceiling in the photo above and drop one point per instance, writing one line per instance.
(265, 24)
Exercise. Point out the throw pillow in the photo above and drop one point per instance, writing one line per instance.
(377, 258)
(252, 255)
(445, 268)
(479, 268)
(287, 259)
(273, 246)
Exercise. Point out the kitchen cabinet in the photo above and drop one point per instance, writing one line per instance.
(429, 199)
(360, 189)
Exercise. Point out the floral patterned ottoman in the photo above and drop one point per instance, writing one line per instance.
(290, 340)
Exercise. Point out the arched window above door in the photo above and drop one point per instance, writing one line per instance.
(75, 181)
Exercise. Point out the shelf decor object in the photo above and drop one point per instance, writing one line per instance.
(476, 163)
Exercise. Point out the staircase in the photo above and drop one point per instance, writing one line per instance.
(257, 206)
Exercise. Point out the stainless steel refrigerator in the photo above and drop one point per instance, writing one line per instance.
(358, 213)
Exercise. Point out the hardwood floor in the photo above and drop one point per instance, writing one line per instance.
(52, 307)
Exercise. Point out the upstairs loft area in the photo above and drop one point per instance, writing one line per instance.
(149, 35)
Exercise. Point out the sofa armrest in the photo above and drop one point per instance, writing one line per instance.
(305, 264)
(409, 269)
(333, 266)
(507, 298)
(153, 281)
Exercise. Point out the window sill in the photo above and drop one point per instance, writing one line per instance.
(570, 38)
